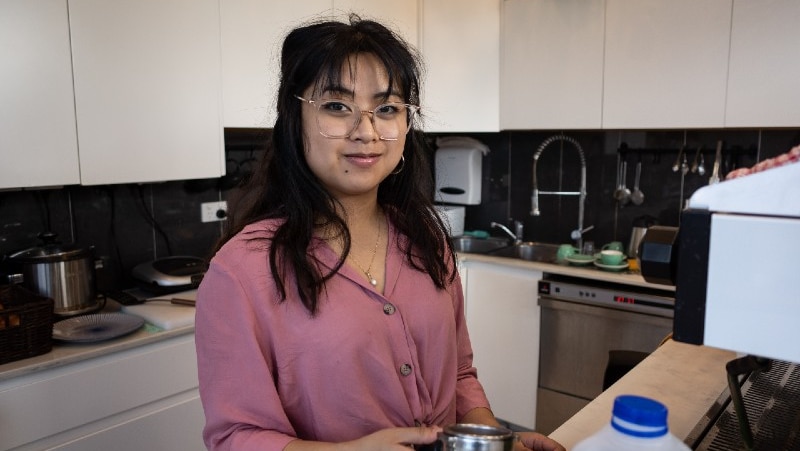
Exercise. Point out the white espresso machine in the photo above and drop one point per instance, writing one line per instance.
(735, 272)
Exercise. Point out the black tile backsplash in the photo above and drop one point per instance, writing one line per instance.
(507, 180)
(128, 224)
(132, 223)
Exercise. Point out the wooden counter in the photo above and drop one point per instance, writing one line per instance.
(686, 378)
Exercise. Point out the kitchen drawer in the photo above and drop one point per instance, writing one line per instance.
(53, 401)
(178, 427)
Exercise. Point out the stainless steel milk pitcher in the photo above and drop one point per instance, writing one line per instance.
(472, 437)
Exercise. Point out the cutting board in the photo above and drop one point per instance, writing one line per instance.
(163, 314)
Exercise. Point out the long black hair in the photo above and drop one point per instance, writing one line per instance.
(284, 187)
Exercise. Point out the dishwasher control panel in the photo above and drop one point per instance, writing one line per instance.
(606, 294)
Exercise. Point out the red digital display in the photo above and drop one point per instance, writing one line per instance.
(624, 300)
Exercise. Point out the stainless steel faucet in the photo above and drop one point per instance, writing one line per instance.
(517, 237)
(576, 234)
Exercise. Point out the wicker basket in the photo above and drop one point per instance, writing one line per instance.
(26, 324)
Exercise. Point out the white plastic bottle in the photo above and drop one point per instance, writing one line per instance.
(638, 423)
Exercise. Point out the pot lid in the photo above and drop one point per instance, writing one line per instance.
(51, 252)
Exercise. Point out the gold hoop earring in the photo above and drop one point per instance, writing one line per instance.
(402, 165)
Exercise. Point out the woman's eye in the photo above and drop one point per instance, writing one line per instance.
(388, 109)
(336, 108)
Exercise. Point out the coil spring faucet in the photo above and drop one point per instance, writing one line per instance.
(576, 234)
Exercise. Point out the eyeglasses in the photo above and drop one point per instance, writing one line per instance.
(338, 118)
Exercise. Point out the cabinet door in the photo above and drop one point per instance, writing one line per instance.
(503, 321)
(666, 63)
(764, 69)
(552, 64)
(57, 405)
(147, 89)
(38, 143)
(252, 34)
(461, 48)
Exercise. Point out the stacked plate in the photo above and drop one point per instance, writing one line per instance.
(599, 263)
(580, 259)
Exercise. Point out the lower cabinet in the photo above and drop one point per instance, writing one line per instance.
(173, 428)
(503, 320)
(141, 398)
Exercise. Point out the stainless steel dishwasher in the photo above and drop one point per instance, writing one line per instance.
(592, 332)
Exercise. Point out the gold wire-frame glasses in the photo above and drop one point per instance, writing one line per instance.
(338, 118)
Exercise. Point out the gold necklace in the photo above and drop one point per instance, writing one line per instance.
(372, 280)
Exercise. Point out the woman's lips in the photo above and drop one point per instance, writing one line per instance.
(362, 160)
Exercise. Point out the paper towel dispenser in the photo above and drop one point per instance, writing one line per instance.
(459, 170)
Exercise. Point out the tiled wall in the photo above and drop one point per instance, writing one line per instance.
(131, 224)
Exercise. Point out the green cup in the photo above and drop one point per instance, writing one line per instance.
(566, 250)
(613, 246)
(612, 257)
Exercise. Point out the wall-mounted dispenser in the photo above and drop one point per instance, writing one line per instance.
(459, 170)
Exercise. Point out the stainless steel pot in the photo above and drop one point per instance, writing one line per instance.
(473, 437)
(65, 273)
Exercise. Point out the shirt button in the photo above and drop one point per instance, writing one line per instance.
(389, 309)
(405, 369)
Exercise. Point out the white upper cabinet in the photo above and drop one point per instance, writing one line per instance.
(461, 49)
(38, 142)
(666, 63)
(764, 66)
(552, 64)
(252, 34)
(147, 89)
(459, 46)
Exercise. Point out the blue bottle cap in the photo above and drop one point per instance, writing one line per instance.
(639, 416)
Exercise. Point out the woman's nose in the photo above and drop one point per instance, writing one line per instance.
(365, 129)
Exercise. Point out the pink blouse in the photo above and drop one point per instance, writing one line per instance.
(270, 372)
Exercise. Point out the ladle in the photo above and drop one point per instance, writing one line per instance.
(695, 163)
(701, 168)
(637, 196)
(677, 166)
(623, 194)
(618, 185)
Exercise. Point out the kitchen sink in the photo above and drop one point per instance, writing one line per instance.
(502, 247)
(531, 251)
(476, 245)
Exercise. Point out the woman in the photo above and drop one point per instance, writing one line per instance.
(332, 316)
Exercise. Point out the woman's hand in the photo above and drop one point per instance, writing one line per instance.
(537, 442)
(393, 439)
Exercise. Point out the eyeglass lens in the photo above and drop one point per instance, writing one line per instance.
(338, 118)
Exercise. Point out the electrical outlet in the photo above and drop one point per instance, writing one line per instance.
(213, 211)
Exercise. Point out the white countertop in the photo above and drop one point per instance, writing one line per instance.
(66, 353)
(587, 272)
(686, 378)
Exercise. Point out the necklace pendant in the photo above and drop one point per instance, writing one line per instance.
(372, 280)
